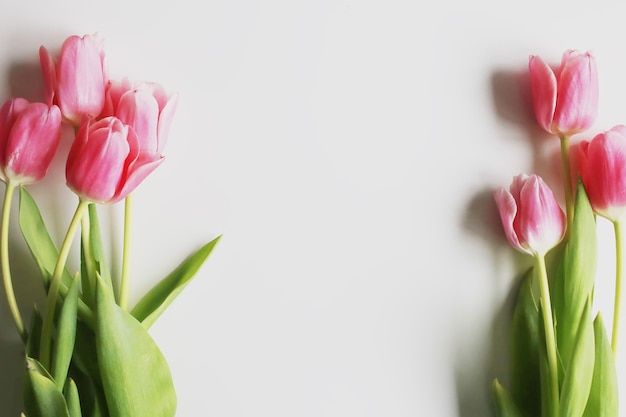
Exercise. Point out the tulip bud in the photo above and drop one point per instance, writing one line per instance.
(602, 163)
(105, 163)
(532, 219)
(147, 107)
(29, 137)
(565, 101)
(76, 81)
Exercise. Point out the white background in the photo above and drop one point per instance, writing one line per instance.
(347, 150)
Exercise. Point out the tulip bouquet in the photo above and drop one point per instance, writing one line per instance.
(562, 358)
(87, 352)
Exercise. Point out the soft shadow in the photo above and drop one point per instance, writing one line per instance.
(489, 359)
(512, 102)
(28, 292)
(25, 80)
(478, 361)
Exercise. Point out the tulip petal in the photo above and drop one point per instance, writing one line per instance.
(603, 171)
(48, 68)
(165, 121)
(542, 222)
(139, 109)
(81, 78)
(577, 103)
(544, 91)
(508, 211)
(33, 142)
(145, 164)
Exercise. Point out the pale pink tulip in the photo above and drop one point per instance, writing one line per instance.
(76, 81)
(29, 137)
(532, 219)
(602, 163)
(566, 100)
(147, 107)
(105, 162)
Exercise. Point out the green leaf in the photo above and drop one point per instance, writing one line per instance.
(42, 398)
(97, 247)
(99, 259)
(505, 405)
(38, 239)
(43, 249)
(135, 375)
(547, 402)
(72, 399)
(65, 335)
(525, 345)
(579, 371)
(577, 275)
(604, 395)
(152, 305)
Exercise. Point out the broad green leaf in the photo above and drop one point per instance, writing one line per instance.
(42, 398)
(579, 370)
(72, 399)
(135, 375)
(604, 395)
(152, 305)
(525, 340)
(38, 239)
(65, 335)
(547, 401)
(43, 249)
(98, 262)
(577, 275)
(97, 247)
(505, 405)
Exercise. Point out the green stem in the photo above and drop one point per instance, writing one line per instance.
(567, 182)
(618, 284)
(4, 259)
(124, 281)
(548, 325)
(53, 291)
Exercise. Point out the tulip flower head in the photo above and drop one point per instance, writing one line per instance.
(602, 163)
(566, 100)
(147, 107)
(532, 218)
(76, 81)
(29, 137)
(105, 162)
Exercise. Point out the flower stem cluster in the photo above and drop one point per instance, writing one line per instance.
(563, 363)
(88, 354)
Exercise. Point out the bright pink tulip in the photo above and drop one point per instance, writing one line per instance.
(76, 81)
(29, 137)
(602, 164)
(532, 219)
(105, 162)
(147, 107)
(565, 101)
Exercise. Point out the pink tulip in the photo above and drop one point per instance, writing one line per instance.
(147, 107)
(29, 137)
(532, 219)
(565, 101)
(105, 162)
(76, 81)
(602, 165)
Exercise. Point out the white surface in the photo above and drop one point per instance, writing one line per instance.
(347, 150)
